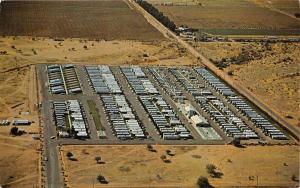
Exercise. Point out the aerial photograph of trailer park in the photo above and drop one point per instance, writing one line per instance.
(149, 93)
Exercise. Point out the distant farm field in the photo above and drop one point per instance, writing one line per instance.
(231, 17)
(106, 20)
(288, 6)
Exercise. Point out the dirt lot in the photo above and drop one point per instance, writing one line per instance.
(89, 19)
(19, 154)
(26, 50)
(232, 17)
(18, 160)
(271, 73)
(135, 166)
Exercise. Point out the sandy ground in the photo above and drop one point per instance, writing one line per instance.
(274, 77)
(18, 100)
(135, 166)
(21, 51)
(19, 155)
(18, 160)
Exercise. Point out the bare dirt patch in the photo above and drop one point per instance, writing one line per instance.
(80, 51)
(135, 166)
(19, 160)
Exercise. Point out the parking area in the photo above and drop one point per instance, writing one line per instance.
(70, 119)
(241, 105)
(222, 116)
(135, 105)
(166, 121)
(62, 79)
(119, 114)
(192, 116)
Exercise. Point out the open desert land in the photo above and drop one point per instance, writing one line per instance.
(24, 51)
(232, 17)
(20, 155)
(269, 71)
(19, 165)
(102, 19)
(135, 166)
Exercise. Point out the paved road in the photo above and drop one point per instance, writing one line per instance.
(234, 84)
(52, 164)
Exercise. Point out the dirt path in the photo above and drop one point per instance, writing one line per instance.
(32, 89)
(21, 180)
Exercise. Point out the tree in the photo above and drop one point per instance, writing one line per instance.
(69, 154)
(157, 14)
(149, 147)
(169, 152)
(101, 179)
(211, 168)
(163, 157)
(98, 159)
(14, 131)
(294, 177)
(236, 142)
(202, 182)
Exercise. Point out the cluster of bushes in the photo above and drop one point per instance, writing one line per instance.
(244, 57)
(157, 14)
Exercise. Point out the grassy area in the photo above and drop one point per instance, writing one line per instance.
(94, 112)
(68, 125)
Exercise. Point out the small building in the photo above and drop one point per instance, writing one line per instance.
(35, 136)
(199, 121)
(21, 122)
(4, 122)
(63, 134)
(190, 111)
